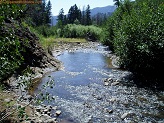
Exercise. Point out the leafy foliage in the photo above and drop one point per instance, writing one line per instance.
(45, 30)
(136, 31)
(10, 56)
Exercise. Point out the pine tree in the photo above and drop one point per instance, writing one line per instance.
(48, 13)
(88, 16)
(65, 22)
(74, 14)
(71, 15)
(117, 2)
(61, 18)
(83, 16)
(39, 14)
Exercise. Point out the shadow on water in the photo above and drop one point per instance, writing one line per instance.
(146, 83)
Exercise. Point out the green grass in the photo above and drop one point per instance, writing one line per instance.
(46, 42)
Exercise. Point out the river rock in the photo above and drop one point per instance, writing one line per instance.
(58, 112)
(124, 116)
(49, 107)
(54, 108)
(46, 111)
(106, 83)
(110, 80)
(115, 83)
(109, 110)
(38, 108)
(29, 97)
(53, 120)
(99, 98)
(32, 121)
(43, 105)
(45, 117)
(105, 80)
(49, 113)
(38, 114)
(7, 100)
(112, 100)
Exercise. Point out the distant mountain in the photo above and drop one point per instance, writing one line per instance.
(54, 20)
(107, 9)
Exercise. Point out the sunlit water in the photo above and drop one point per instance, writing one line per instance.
(80, 93)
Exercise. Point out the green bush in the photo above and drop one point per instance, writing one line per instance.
(46, 31)
(139, 39)
(135, 33)
(80, 31)
(10, 56)
(10, 47)
(113, 23)
(108, 36)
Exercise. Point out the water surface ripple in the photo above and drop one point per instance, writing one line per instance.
(80, 93)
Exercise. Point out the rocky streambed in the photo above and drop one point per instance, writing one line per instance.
(90, 89)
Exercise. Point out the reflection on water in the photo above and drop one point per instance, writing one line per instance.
(81, 95)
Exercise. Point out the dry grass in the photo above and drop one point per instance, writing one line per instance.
(50, 42)
(46, 42)
(8, 106)
(70, 40)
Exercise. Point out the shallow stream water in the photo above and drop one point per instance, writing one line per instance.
(80, 93)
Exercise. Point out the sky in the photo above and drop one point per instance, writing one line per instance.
(57, 5)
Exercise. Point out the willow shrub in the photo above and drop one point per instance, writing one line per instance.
(113, 23)
(139, 40)
(46, 30)
(80, 31)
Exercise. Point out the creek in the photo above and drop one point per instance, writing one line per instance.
(82, 97)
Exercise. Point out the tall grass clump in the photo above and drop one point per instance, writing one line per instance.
(80, 31)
